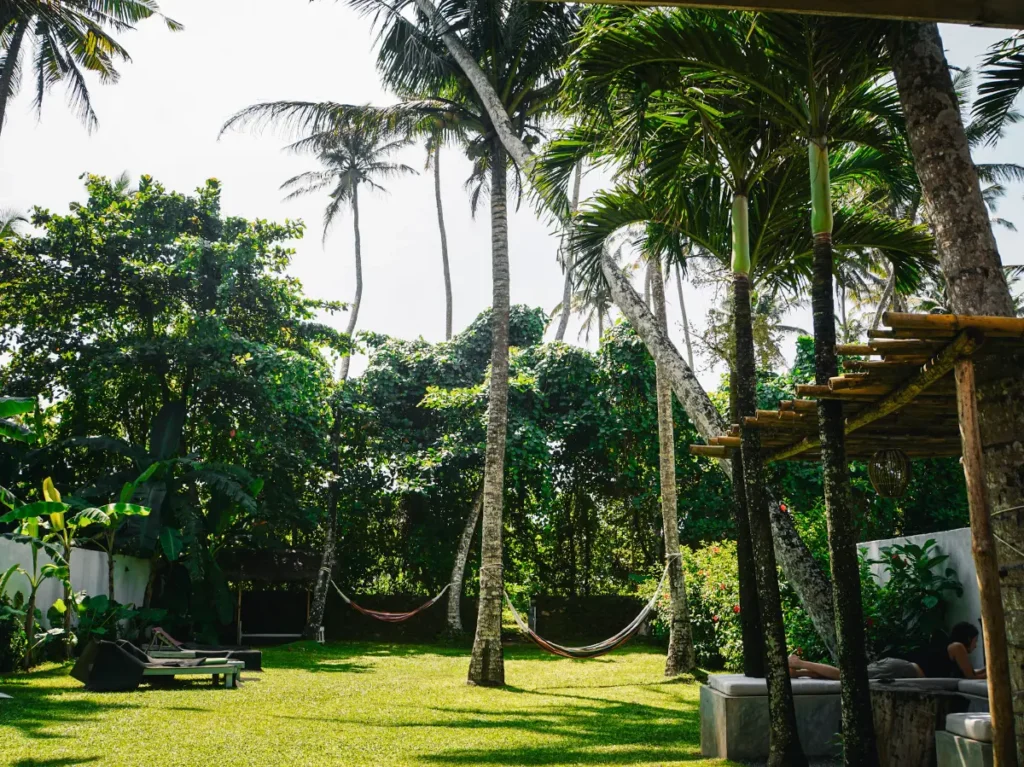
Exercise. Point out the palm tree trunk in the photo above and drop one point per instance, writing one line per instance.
(10, 67)
(784, 742)
(318, 606)
(973, 269)
(799, 565)
(680, 658)
(859, 746)
(567, 259)
(883, 302)
(686, 322)
(750, 610)
(455, 630)
(444, 244)
(354, 311)
(487, 666)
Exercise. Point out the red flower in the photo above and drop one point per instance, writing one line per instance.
(783, 507)
(721, 587)
(870, 622)
(715, 550)
(736, 609)
(231, 434)
(714, 619)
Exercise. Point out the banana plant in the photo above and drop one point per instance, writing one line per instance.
(112, 516)
(11, 407)
(32, 532)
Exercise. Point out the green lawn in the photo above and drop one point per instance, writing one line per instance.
(365, 704)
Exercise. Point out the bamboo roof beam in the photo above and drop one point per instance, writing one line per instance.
(710, 451)
(995, 327)
(962, 346)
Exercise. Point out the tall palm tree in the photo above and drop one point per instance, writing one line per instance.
(11, 223)
(518, 48)
(351, 156)
(1002, 83)
(810, 78)
(680, 657)
(434, 163)
(71, 37)
(564, 257)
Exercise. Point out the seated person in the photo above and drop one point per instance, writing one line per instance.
(949, 659)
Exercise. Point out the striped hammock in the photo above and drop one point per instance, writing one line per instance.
(591, 650)
(389, 617)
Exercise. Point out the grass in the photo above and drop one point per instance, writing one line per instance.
(365, 704)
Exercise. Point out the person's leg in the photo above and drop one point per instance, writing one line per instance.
(800, 668)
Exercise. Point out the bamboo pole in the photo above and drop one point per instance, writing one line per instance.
(709, 451)
(854, 349)
(733, 442)
(1005, 327)
(983, 547)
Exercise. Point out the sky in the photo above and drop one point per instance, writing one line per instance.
(163, 118)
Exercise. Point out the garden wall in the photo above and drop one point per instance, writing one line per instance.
(88, 574)
(956, 544)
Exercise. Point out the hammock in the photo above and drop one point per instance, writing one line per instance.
(591, 650)
(389, 617)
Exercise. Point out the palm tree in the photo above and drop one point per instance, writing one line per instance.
(564, 257)
(815, 79)
(973, 270)
(351, 156)
(1002, 83)
(680, 657)
(11, 223)
(434, 162)
(70, 38)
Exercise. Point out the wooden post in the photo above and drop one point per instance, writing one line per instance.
(983, 547)
(238, 619)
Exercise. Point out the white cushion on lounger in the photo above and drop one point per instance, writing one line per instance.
(976, 687)
(927, 683)
(738, 685)
(973, 726)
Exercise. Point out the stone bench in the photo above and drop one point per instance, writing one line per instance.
(966, 741)
(734, 719)
(976, 692)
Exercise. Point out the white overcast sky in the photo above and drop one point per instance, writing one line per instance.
(163, 119)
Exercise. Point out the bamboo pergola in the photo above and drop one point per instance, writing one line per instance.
(911, 387)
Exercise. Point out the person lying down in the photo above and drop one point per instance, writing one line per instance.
(948, 659)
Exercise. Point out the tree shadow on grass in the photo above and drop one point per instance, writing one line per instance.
(66, 762)
(34, 709)
(587, 731)
(310, 656)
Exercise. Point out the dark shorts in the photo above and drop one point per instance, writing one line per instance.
(892, 668)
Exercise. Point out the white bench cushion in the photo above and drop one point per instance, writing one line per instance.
(925, 683)
(973, 726)
(975, 687)
(738, 685)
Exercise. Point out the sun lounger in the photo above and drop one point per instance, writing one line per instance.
(164, 646)
(121, 667)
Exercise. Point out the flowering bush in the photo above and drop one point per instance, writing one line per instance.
(713, 598)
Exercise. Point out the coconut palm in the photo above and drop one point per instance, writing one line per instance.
(11, 223)
(71, 38)
(351, 156)
(441, 51)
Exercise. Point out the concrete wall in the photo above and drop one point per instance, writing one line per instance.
(956, 544)
(88, 574)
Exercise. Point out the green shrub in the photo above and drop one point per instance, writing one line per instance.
(712, 596)
(13, 643)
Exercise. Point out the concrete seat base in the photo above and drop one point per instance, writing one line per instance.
(956, 751)
(736, 727)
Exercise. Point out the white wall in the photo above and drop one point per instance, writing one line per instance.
(88, 574)
(956, 544)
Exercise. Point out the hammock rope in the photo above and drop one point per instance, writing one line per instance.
(385, 616)
(597, 649)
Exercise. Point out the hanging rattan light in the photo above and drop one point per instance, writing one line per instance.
(889, 471)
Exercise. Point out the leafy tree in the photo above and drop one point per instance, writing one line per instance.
(71, 37)
(141, 302)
